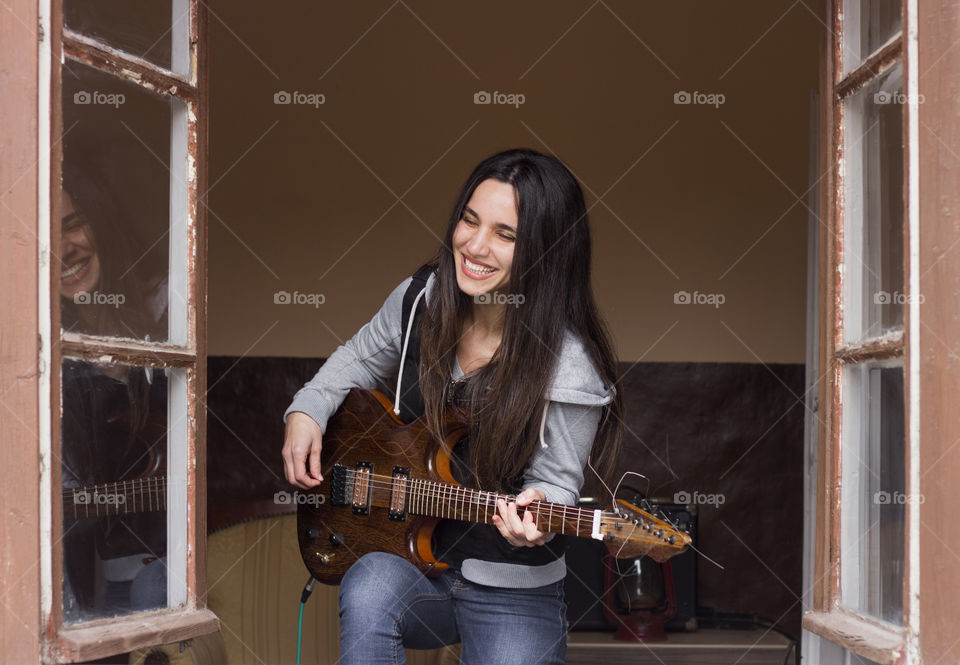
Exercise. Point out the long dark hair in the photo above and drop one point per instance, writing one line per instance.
(126, 266)
(551, 271)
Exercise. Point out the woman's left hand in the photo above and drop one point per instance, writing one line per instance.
(520, 532)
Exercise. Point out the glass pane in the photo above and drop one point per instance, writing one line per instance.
(114, 450)
(153, 30)
(867, 25)
(873, 209)
(833, 654)
(114, 247)
(874, 498)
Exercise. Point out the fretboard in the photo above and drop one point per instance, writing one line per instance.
(436, 499)
(129, 496)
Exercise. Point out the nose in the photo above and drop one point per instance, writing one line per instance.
(478, 244)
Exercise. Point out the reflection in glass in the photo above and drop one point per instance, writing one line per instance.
(145, 29)
(113, 458)
(874, 498)
(867, 25)
(873, 209)
(114, 246)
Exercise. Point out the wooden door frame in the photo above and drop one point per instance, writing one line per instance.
(20, 227)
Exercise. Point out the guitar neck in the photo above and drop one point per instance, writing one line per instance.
(435, 499)
(139, 495)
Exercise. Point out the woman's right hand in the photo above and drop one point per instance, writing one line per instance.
(302, 440)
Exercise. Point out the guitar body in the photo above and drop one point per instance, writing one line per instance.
(364, 431)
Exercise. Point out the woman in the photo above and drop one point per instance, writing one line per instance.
(114, 417)
(111, 283)
(504, 324)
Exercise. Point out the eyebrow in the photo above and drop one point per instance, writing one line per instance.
(500, 225)
(69, 218)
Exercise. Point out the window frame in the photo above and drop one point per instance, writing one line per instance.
(856, 632)
(105, 637)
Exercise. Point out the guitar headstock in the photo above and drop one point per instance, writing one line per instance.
(635, 532)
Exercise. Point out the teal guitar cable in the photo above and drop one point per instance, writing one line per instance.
(307, 590)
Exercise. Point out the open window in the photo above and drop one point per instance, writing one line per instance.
(861, 581)
(127, 302)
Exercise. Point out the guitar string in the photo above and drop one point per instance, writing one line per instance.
(462, 500)
(437, 489)
(429, 489)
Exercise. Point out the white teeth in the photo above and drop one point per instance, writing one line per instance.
(475, 268)
(74, 269)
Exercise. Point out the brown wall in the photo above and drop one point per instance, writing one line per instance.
(301, 196)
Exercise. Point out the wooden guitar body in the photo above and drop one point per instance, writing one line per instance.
(332, 537)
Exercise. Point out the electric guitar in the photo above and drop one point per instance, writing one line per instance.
(387, 484)
(145, 493)
(139, 495)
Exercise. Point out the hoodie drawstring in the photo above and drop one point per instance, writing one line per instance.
(543, 426)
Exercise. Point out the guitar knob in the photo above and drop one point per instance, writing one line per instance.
(313, 533)
(336, 539)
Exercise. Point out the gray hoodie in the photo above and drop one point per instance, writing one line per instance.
(576, 393)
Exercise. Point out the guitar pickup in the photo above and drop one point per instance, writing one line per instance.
(362, 488)
(398, 493)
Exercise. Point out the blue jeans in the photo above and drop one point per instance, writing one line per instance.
(386, 604)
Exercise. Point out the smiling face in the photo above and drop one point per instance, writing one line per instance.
(484, 239)
(80, 264)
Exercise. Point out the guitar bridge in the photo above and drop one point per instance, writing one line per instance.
(338, 485)
(398, 493)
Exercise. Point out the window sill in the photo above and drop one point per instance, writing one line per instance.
(881, 643)
(107, 637)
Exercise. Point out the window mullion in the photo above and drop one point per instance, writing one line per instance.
(127, 67)
(129, 352)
